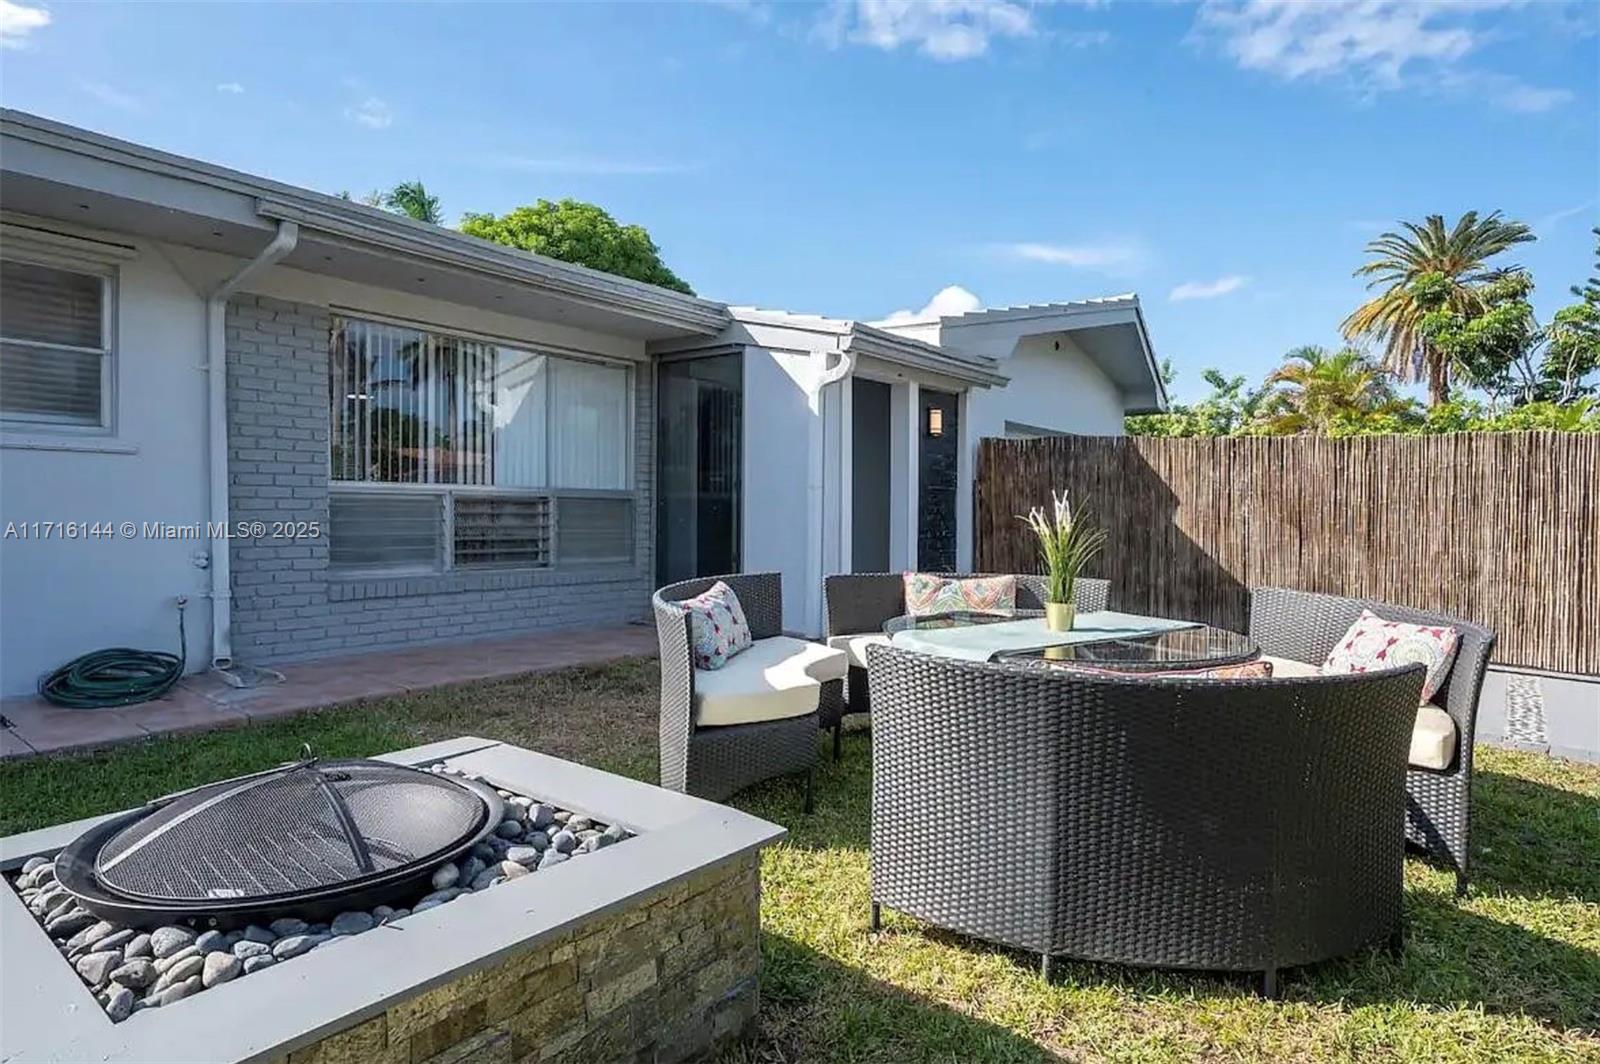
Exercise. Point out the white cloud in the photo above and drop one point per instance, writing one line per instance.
(1083, 38)
(111, 97)
(1543, 225)
(1371, 45)
(1208, 289)
(18, 21)
(754, 10)
(947, 30)
(371, 112)
(1113, 257)
(590, 165)
(949, 301)
(1512, 94)
(232, 88)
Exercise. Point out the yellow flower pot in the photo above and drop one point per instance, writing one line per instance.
(1059, 616)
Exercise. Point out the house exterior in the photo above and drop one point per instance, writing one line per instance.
(328, 428)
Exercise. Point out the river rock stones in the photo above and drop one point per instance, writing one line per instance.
(165, 941)
(220, 968)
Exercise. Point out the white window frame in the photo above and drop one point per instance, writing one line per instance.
(108, 276)
(445, 563)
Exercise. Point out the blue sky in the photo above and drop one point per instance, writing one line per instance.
(1227, 161)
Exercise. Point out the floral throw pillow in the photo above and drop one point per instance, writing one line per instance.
(1373, 643)
(718, 629)
(928, 595)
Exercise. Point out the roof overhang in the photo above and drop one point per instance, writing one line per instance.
(783, 330)
(914, 354)
(1111, 332)
(55, 171)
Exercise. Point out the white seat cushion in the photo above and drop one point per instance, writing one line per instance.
(1282, 667)
(774, 679)
(856, 645)
(1433, 735)
(1433, 738)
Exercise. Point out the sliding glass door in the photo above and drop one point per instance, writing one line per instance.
(699, 461)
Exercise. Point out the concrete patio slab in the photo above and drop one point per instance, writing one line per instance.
(204, 701)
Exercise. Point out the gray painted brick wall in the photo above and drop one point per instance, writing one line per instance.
(286, 603)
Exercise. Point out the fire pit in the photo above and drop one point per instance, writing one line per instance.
(646, 946)
(307, 840)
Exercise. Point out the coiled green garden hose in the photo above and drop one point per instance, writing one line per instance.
(117, 676)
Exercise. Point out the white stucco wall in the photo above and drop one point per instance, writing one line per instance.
(61, 597)
(1060, 391)
(780, 429)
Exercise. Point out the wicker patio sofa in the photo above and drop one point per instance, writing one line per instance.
(1302, 626)
(1247, 825)
(715, 760)
(855, 606)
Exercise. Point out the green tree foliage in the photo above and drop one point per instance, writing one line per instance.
(1325, 392)
(1229, 408)
(1458, 256)
(411, 199)
(1572, 351)
(1491, 347)
(579, 232)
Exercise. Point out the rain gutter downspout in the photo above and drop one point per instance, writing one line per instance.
(282, 243)
(815, 479)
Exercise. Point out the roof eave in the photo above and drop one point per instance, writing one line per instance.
(876, 343)
(443, 247)
(383, 230)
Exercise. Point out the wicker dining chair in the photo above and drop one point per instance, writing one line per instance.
(715, 762)
(1305, 626)
(858, 603)
(1246, 825)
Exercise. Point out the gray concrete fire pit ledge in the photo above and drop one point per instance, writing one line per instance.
(48, 1014)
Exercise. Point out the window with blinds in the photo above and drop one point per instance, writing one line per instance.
(446, 417)
(55, 353)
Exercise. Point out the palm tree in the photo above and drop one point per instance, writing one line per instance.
(1315, 390)
(1457, 254)
(411, 198)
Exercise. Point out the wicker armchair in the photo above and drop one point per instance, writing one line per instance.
(855, 603)
(716, 762)
(1304, 626)
(1246, 825)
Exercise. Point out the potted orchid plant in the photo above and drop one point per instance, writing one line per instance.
(1066, 543)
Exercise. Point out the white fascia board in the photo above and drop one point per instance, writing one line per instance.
(915, 354)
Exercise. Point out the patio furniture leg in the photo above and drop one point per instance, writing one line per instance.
(1397, 944)
(1269, 984)
(875, 922)
(1045, 967)
(810, 804)
(838, 730)
(1461, 884)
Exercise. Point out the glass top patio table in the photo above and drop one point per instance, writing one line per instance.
(1000, 637)
(1198, 646)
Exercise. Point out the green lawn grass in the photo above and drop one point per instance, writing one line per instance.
(1510, 973)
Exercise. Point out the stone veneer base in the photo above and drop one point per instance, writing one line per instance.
(649, 953)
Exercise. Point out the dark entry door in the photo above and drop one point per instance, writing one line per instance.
(870, 482)
(936, 481)
(699, 459)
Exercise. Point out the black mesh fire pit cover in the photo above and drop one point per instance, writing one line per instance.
(309, 839)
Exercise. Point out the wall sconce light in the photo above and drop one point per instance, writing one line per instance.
(935, 421)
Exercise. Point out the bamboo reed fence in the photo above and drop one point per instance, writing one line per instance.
(1499, 528)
